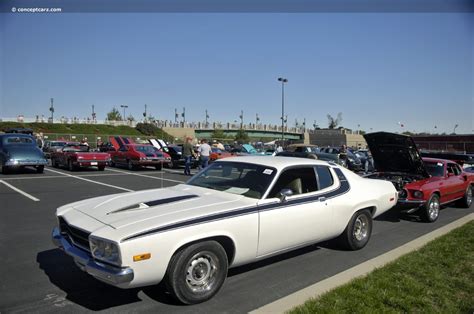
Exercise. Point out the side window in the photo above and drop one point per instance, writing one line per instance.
(298, 180)
(123, 149)
(325, 178)
(457, 170)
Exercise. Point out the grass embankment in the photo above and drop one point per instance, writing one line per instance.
(73, 128)
(438, 278)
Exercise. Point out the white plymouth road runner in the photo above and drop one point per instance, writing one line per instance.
(234, 212)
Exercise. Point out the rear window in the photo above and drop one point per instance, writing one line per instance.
(21, 140)
(324, 177)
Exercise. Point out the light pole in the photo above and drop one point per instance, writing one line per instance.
(176, 115)
(51, 108)
(257, 119)
(207, 117)
(241, 119)
(283, 81)
(145, 113)
(184, 116)
(93, 113)
(455, 127)
(124, 107)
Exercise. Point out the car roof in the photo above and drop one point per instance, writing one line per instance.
(429, 159)
(278, 162)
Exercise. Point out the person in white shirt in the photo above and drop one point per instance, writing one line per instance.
(204, 153)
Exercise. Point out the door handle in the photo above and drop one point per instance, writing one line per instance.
(322, 199)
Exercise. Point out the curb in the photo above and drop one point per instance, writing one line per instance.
(299, 297)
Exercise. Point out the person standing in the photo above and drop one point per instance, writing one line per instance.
(188, 153)
(204, 153)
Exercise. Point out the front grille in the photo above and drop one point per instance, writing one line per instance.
(77, 237)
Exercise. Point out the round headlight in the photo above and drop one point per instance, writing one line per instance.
(402, 194)
(418, 194)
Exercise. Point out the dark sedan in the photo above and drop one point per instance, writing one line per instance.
(19, 151)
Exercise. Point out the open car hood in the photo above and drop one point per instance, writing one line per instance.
(395, 153)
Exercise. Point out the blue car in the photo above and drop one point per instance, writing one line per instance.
(19, 151)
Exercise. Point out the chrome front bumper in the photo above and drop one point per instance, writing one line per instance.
(18, 163)
(112, 275)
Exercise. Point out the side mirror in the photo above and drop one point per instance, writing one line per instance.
(284, 193)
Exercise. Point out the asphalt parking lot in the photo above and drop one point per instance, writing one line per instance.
(37, 277)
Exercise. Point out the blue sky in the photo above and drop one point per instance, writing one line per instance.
(375, 68)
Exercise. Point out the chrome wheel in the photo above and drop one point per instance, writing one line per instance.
(469, 196)
(361, 229)
(201, 271)
(433, 209)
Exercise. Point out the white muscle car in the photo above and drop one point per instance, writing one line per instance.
(236, 211)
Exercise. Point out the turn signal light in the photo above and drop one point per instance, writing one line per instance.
(142, 257)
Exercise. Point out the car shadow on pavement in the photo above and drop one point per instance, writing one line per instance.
(394, 215)
(79, 287)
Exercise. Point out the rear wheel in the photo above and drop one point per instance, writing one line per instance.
(197, 272)
(158, 167)
(4, 169)
(358, 231)
(101, 168)
(173, 164)
(430, 211)
(39, 169)
(130, 165)
(54, 163)
(466, 201)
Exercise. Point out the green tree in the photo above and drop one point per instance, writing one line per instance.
(334, 122)
(130, 118)
(242, 136)
(218, 134)
(114, 115)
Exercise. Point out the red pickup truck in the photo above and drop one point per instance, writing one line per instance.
(74, 156)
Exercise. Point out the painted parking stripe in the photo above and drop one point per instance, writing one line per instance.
(62, 176)
(31, 197)
(89, 180)
(146, 176)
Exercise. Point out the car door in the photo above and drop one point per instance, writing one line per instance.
(301, 218)
(121, 155)
(456, 183)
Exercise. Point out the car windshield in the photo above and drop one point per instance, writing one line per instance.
(18, 140)
(435, 169)
(58, 144)
(146, 149)
(76, 148)
(236, 177)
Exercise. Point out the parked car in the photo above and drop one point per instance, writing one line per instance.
(135, 156)
(236, 211)
(19, 151)
(176, 155)
(423, 184)
(216, 154)
(74, 156)
(52, 147)
(348, 158)
(309, 151)
(469, 169)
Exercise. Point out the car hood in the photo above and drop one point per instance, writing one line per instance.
(395, 153)
(158, 207)
(24, 151)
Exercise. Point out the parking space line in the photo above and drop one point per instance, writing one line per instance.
(31, 197)
(92, 181)
(146, 176)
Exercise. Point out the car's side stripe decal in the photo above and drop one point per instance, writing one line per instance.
(343, 188)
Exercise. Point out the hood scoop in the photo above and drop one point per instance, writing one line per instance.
(149, 204)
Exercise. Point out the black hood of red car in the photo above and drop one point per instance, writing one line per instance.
(395, 153)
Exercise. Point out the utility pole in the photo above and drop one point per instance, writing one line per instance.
(207, 117)
(283, 81)
(241, 119)
(257, 119)
(184, 115)
(93, 113)
(144, 113)
(176, 115)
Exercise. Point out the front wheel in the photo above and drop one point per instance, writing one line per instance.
(4, 169)
(130, 165)
(101, 168)
(358, 231)
(39, 169)
(158, 167)
(430, 211)
(466, 201)
(197, 272)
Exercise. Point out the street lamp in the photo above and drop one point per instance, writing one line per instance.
(283, 81)
(123, 107)
(207, 117)
(455, 127)
(52, 110)
(241, 118)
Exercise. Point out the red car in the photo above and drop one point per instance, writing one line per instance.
(134, 156)
(74, 156)
(423, 184)
(217, 153)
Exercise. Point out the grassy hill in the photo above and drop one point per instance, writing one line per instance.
(102, 129)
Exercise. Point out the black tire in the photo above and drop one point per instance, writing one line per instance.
(173, 164)
(430, 211)
(466, 201)
(197, 272)
(130, 165)
(358, 231)
(39, 169)
(112, 163)
(70, 166)
(4, 169)
(158, 167)
(101, 168)
(54, 163)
